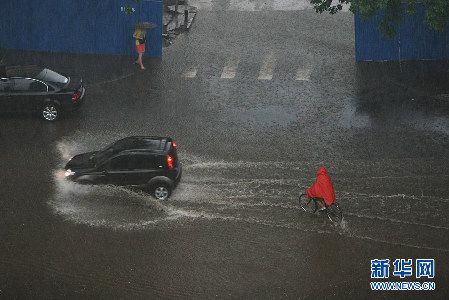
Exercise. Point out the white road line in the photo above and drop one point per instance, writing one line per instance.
(303, 74)
(339, 75)
(230, 68)
(268, 66)
(189, 74)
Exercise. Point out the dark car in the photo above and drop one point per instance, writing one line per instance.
(30, 89)
(151, 162)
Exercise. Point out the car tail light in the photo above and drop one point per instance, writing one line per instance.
(170, 162)
(76, 96)
(174, 144)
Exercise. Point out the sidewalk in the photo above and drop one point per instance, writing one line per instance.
(96, 68)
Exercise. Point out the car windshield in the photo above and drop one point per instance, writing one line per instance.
(49, 75)
(110, 150)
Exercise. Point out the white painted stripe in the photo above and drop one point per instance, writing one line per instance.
(339, 75)
(189, 74)
(230, 68)
(335, 76)
(268, 66)
(303, 74)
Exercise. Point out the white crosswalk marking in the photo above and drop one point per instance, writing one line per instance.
(266, 72)
(190, 74)
(303, 74)
(268, 66)
(340, 75)
(230, 68)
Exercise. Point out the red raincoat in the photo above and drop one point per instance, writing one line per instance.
(322, 188)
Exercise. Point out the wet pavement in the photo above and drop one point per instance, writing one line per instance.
(233, 229)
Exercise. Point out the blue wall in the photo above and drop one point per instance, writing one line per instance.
(413, 40)
(87, 26)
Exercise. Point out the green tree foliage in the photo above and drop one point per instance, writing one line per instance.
(437, 11)
(128, 9)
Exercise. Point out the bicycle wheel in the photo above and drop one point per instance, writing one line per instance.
(308, 205)
(334, 213)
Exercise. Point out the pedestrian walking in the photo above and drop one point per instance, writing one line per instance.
(140, 36)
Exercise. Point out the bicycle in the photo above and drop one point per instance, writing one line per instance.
(333, 211)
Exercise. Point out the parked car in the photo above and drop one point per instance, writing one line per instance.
(151, 162)
(30, 89)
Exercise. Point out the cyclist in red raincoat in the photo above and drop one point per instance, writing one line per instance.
(322, 188)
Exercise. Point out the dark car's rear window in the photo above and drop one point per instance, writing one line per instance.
(150, 144)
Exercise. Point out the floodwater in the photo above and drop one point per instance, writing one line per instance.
(265, 194)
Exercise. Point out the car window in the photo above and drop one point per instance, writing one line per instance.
(142, 162)
(147, 144)
(6, 85)
(22, 84)
(119, 163)
(111, 150)
(121, 145)
(37, 86)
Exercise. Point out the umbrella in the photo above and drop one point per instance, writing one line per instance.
(144, 25)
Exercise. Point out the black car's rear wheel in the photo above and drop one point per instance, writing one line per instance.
(161, 191)
(51, 112)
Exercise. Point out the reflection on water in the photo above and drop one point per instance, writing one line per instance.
(414, 87)
(408, 97)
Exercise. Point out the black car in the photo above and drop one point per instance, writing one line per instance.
(148, 161)
(30, 89)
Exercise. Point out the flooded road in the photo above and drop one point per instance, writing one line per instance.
(249, 146)
(266, 194)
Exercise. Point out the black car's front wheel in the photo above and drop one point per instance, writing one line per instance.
(51, 112)
(161, 191)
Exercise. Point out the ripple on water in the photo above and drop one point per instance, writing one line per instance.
(227, 191)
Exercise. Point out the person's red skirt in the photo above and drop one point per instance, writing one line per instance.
(140, 48)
